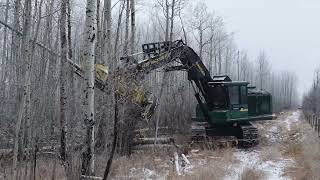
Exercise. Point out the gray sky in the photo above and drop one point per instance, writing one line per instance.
(288, 30)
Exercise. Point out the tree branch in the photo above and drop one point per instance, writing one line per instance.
(42, 46)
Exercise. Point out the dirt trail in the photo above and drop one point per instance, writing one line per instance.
(272, 158)
(289, 149)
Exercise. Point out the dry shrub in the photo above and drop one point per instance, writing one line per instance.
(269, 153)
(310, 149)
(206, 173)
(300, 173)
(305, 149)
(252, 174)
(293, 151)
(214, 167)
(158, 162)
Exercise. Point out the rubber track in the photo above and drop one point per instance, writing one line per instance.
(250, 136)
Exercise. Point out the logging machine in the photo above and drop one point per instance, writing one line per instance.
(225, 107)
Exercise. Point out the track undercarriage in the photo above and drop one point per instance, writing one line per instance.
(243, 135)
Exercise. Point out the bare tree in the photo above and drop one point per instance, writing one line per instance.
(172, 19)
(89, 56)
(167, 19)
(201, 22)
(244, 66)
(263, 67)
(63, 78)
(24, 106)
(126, 36)
(4, 58)
(107, 60)
(133, 25)
(107, 25)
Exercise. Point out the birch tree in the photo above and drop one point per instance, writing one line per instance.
(201, 23)
(89, 57)
(263, 67)
(133, 26)
(63, 77)
(106, 59)
(26, 67)
(107, 30)
(4, 58)
(172, 19)
(167, 19)
(126, 35)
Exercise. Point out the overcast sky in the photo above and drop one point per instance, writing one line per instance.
(288, 30)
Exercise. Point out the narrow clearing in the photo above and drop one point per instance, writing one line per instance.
(288, 149)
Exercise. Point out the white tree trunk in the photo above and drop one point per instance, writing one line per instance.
(107, 30)
(26, 66)
(63, 85)
(167, 20)
(133, 25)
(89, 57)
(172, 20)
(176, 163)
(126, 35)
(4, 58)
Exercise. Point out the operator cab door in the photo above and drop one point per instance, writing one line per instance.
(238, 97)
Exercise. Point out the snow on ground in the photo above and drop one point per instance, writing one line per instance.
(250, 160)
(293, 118)
(273, 168)
(272, 159)
(144, 173)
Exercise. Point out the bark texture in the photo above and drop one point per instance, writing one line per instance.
(89, 57)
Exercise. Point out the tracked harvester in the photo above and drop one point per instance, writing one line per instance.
(224, 108)
(234, 105)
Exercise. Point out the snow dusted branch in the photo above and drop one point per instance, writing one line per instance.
(176, 163)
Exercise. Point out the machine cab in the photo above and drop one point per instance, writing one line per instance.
(229, 96)
(233, 101)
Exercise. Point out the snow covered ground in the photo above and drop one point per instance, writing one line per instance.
(273, 167)
(288, 149)
(267, 159)
(269, 169)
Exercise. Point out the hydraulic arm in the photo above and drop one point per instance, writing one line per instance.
(161, 53)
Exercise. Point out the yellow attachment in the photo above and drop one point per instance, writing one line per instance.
(101, 72)
(130, 88)
(139, 95)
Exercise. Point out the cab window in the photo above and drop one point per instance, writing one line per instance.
(234, 95)
(219, 97)
(243, 94)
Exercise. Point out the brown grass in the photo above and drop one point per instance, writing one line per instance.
(303, 145)
(300, 143)
(211, 172)
(269, 153)
(293, 151)
(252, 174)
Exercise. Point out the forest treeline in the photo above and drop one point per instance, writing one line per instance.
(45, 103)
(311, 99)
